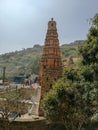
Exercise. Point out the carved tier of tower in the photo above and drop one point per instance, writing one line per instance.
(51, 64)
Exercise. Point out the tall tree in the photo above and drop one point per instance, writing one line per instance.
(69, 105)
(89, 51)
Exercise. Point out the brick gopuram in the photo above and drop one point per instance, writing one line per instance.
(51, 64)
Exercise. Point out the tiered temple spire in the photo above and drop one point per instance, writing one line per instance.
(51, 64)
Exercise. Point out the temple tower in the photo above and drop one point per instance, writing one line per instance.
(51, 64)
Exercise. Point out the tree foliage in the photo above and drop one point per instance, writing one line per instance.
(70, 74)
(89, 51)
(71, 104)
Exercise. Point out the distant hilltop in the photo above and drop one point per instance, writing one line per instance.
(77, 42)
(38, 46)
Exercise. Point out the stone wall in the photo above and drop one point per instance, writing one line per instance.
(27, 100)
(38, 125)
(23, 125)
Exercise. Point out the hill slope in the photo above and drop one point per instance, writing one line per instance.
(27, 60)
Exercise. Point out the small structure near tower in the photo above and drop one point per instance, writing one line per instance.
(51, 64)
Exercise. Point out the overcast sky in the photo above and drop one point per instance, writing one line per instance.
(23, 23)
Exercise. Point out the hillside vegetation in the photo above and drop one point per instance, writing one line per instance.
(27, 60)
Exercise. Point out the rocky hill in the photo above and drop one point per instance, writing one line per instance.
(27, 60)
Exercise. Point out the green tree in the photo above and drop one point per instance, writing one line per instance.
(70, 74)
(89, 51)
(69, 105)
(87, 73)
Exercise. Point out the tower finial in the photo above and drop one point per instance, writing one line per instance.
(51, 19)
